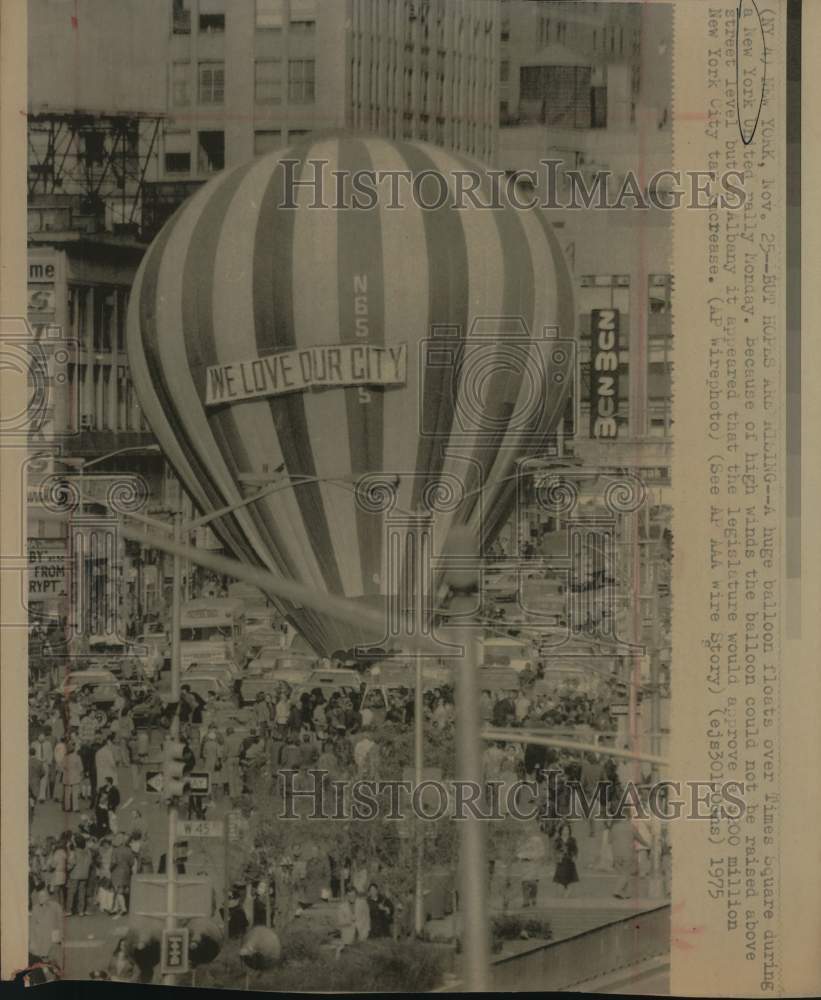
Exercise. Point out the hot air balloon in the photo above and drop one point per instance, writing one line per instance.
(374, 364)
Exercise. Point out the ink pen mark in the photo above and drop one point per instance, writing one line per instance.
(749, 9)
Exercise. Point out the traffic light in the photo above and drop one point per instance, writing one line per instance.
(172, 770)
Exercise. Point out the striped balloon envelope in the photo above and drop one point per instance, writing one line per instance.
(369, 335)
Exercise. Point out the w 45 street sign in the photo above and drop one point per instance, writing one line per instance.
(199, 828)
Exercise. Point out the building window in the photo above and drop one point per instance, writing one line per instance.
(211, 152)
(93, 148)
(180, 84)
(103, 318)
(181, 17)
(303, 12)
(269, 14)
(122, 312)
(301, 81)
(504, 70)
(268, 81)
(212, 82)
(82, 327)
(302, 27)
(177, 163)
(266, 140)
(598, 107)
(212, 23)
(556, 95)
(295, 134)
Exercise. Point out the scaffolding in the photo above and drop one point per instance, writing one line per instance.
(89, 169)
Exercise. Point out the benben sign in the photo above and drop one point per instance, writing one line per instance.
(604, 373)
(309, 368)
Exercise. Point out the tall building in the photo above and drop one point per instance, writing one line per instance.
(589, 86)
(253, 75)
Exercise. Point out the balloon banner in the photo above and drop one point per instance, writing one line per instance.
(312, 368)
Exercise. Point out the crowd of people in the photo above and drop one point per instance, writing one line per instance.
(82, 752)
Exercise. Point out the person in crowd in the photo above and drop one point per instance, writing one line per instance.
(291, 755)
(365, 754)
(381, 912)
(58, 869)
(237, 920)
(36, 773)
(105, 760)
(105, 807)
(504, 711)
(282, 712)
(79, 870)
(566, 851)
(72, 778)
(45, 753)
(521, 707)
(45, 928)
(627, 839)
(191, 706)
(139, 827)
(122, 868)
(353, 920)
(590, 778)
(307, 751)
(233, 746)
(529, 866)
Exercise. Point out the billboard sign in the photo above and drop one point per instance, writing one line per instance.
(604, 373)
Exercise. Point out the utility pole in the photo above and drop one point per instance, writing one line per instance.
(174, 733)
(418, 762)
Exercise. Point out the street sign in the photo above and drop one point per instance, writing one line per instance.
(153, 781)
(174, 952)
(199, 782)
(199, 828)
(149, 895)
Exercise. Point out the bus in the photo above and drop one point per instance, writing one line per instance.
(212, 630)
